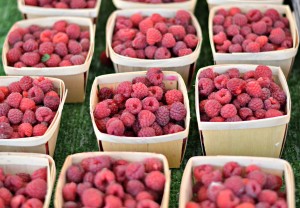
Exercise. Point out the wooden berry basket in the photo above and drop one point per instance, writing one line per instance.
(41, 144)
(184, 65)
(282, 58)
(188, 5)
(264, 137)
(213, 3)
(269, 165)
(74, 77)
(172, 146)
(13, 163)
(130, 156)
(30, 12)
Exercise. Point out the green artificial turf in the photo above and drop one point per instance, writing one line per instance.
(76, 131)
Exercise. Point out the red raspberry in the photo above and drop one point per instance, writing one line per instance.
(224, 47)
(174, 95)
(145, 24)
(273, 113)
(17, 201)
(178, 31)
(235, 48)
(271, 103)
(39, 174)
(19, 64)
(236, 86)
(53, 60)
(81, 187)
(162, 27)
(213, 190)
(153, 36)
(146, 118)
(36, 94)
(239, 19)
(127, 118)
(15, 116)
(262, 40)
(214, 176)
(184, 52)
(14, 37)
(136, 19)
(155, 76)
(129, 52)
(14, 99)
(218, 19)
(61, 49)
(212, 108)
(219, 38)
(115, 189)
(77, 60)
(39, 130)
(124, 88)
(233, 73)
(162, 53)
(60, 37)
(245, 112)
(153, 164)
(60, 26)
(177, 111)
(105, 93)
(147, 132)
(30, 45)
(73, 30)
(133, 187)
(273, 182)
(277, 36)
(52, 102)
(258, 176)
(13, 55)
(139, 90)
(156, 92)
(30, 58)
(135, 171)
(182, 17)
(102, 110)
(74, 47)
(243, 99)
(150, 103)
(155, 180)
(280, 203)
(178, 46)
(139, 42)
(207, 73)
(263, 71)
(235, 184)
(101, 124)
(6, 196)
(268, 196)
(206, 86)
(221, 81)
(144, 195)
(37, 189)
(13, 182)
(103, 178)
(162, 115)
(254, 15)
(75, 174)
(25, 130)
(174, 129)
(227, 22)
(266, 93)
(255, 104)
(6, 131)
(222, 11)
(92, 198)
(217, 119)
(33, 202)
(233, 30)
(253, 47)
(4, 119)
(43, 114)
(113, 201)
(273, 14)
(238, 39)
(217, 29)
(259, 28)
(232, 169)
(253, 88)
(133, 105)
(45, 84)
(280, 96)
(143, 80)
(95, 164)
(191, 40)
(234, 10)
(25, 83)
(115, 127)
(168, 40)
(226, 198)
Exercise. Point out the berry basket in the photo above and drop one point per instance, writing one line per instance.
(283, 58)
(273, 166)
(188, 5)
(184, 65)
(172, 146)
(264, 137)
(129, 156)
(213, 3)
(40, 144)
(74, 77)
(30, 12)
(13, 163)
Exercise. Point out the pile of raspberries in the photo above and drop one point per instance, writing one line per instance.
(142, 108)
(154, 37)
(23, 189)
(64, 44)
(27, 107)
(233, 96)
(254, 31)
(62, 4)
(236, 186)
(157, 1)
(104, 182)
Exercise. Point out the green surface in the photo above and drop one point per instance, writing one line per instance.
(76, 131)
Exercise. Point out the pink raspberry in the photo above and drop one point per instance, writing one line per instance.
(37, 189)
(259, 28)
(25, 130)
(232, 169)
(162, 115)
(162, 53)
(273, 113)
(254, 15)
(235, 184)
(155, 76)
(69, 191)
(150, 51)
(258, 176)
(133, 105)
(92, 198)
(177, 111)
(36, 94)
(146, 132)
(153, 164)
(249, 74)
(263, 71)
(262, 40)
(236, 86)
(255, 104)
(214, 176)
(103, 178)
(139, 90)
(39, 130)
(175, 128)
(168, 40)
(133, 187)
(25, 83)
(15, 116)
(43, 114)
(144, 195)
(102, 110)
(184, 52)
(14, 37)
(112, 201)
(146, 118)
(150, 103)
(253, 88)
(178, 31)
(115, 126)
(81, 187)
(218, 19)
(221, 81)
(115, 189)
(239, 19)
(155, 180)
(17, 201)
(33, 202)
(14, 99)
(233, 30)
(182, 17)
(30, 58)
(178, 46)
(45, 84)
(101, 124)
(222, 11)
(234, 10)
(223, 96)
(228, 111)
(135, 171)
(156, 92)
(77, 60)
(139, 42)
(124, 88)
(207, 73)
(4, 119)
(162, 27)
(227, 22)
(227, 198)
(143, 80)
(212, 108)
(266, 93)
(206, 85)
(277, 36)
(128, 119)
(61, 49)
(268, 196)
(233, 73)
(245, 112)
(253, 47)
(30, 45)
(273, 14)
(271, 103)
(191, 40)
(224, 47)
(75, 174)
(280, 96)
(52, 102)
(95, 164)
(145, 24)
(174, 95)
(235, 48)
(217, 29)
(136, 18)
(237, 39)
(153, 36)
(219, 38)
(39, 174)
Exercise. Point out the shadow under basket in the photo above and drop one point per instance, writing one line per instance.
(263, 137)
(172, 146)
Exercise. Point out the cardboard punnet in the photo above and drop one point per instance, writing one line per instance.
(213, 3)
(172, 145)
(187, 5)
(278, 167)
(184, 65)
(283, 58)
(74, 77)
(40, 144)
(31, 12)
(264, 137)
(13, 163)
(130, 156)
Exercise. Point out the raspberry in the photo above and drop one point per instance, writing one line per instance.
(222, 11)
(217, 29)
(226, 198)
(162, 53)
(133, 187)
(245, 112)
(227, 22)
(15, 116)
(39, 130)
(258, 176)
(103, 178)
(177, 111)
(214, 176)
(51, 102)
(39, 174)
(24, 176)
(178, 46)
(127, 118)
(174, 95)
(115, 189)
(153, 36)
(153, 164)
(223, 96)
(178, 32)
(25, 83)
(280, 96)
(168, 40)
(234, 10)
(236, 86)
(253, 89)
(271, 103)
(74, 47)
(14, 99)
(273, 182)
(45, 84)
(13, 55)
(273, 113)
(235, 184)
(150, 103)
(220, 81)
(75, 174)
(253, 47)
(237, 39)
(37, 189)
(146, 118)
(139, 42)
(25, 130)
(4, 119)
(217, 119)
(53, 61)
(277, 36)
(147, 132)
(145, 24)
(155, 76)
(191, 40)
(233, 30)
(207, 73)
(155, 180)
(19, 64)
(92, 197)
(43, 114)
(213, 190)
(13, 182)
(143, 80)
(30, 58)
(6, 131)
(105, 93)
(12, 87)
(218, 19)
(33, 202)
(175, 128)
(102, 110)
(14, 37)
(60, 26)
(255, 104)
(144, 195)
(115, 127)
(235, 48)
(263, 71)
(162, 27)
(182, 17)
(113, 201)
(133, 105)
(273, 14)
(254, 15)
(162, 115)
(139, 90)
(77, 60)
(212, 108)
(268, 196)
(16, 201)
(206, 85)
(30, 45)
(135, 171)
(124, 88)
(136, 18)
(150, 51)
(219, 38)
(6, 196)
(73, 30)
(232, 169)
(184, 52)
(60, 49)
(101, 124)
(239, 19)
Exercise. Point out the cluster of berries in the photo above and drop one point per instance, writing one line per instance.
(27, 107)
(154, 37)
(104, 182)
(254, 31)
(63, 44)
(235, 186)
(142, 108)
(23, 189)
(62, 4)
(239, 97)
(157, 1)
